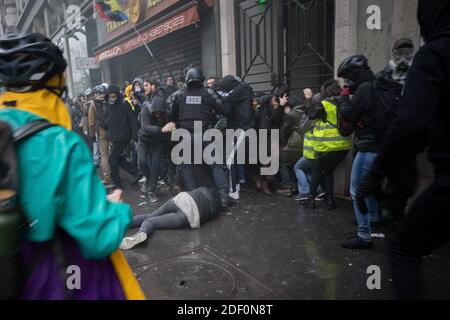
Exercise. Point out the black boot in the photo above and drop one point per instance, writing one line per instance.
(330, 204)
(224, 200)
(309, 203)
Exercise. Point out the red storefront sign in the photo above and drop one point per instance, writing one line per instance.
(176, 22)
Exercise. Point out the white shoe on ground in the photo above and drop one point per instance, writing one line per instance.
(130, 242)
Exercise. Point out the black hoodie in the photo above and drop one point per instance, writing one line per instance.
(355, 111)
(423, 119)
(122, 122)
(151, 125)
(240, 97)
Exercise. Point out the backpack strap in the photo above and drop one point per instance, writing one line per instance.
(30, 129)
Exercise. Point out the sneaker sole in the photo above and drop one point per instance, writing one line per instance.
(131, 242)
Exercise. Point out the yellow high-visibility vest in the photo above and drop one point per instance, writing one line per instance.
(308, 146)
(326, 136)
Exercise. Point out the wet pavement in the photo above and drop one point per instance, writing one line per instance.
(267, 248)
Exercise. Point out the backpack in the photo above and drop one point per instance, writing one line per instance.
(13, 223)
(346, 129)
(386, 95)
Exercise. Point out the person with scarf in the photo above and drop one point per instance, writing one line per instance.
(72, 220)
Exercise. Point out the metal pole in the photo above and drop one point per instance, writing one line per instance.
(70, 84)
(151, 55)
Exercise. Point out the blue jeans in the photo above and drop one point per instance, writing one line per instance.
(362, 165)
(303, 171)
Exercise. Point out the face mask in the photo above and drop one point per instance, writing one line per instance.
(400, 66)
(112, 101)
(137, 89)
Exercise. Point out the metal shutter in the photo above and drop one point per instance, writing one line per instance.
(173, 53)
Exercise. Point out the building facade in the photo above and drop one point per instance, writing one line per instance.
(159, 39)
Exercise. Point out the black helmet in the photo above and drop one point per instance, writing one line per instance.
(100, 90)
(194, 75)
(351, 67)
(28, 59)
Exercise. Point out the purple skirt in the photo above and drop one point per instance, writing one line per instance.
(49, 280)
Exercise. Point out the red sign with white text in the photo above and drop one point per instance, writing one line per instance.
(178, 21)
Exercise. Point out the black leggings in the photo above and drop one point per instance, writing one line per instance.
(168, 216)
(326, 163)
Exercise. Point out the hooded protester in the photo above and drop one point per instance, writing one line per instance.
(355, 110)
(74, 222)
(422, 122)
(153, 136)
(138, 90)
(239, 96)
(122, 124)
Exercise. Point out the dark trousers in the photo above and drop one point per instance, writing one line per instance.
(219, 172)
(150, 157)
(423, 229)
(168, 216)
(287, 175)
(117, 161)
(326, 163)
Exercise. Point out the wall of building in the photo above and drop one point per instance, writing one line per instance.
(228, 38)
(208, 39)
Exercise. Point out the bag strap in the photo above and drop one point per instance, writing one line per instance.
(30, 129)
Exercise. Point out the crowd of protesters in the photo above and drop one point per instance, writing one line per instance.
(130, 128)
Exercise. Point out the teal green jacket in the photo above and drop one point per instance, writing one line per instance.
(60, 189)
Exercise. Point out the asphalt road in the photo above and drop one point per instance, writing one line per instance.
(268, 248)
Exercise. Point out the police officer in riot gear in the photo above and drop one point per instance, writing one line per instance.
(197, 104)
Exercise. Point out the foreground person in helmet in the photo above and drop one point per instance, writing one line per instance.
(72, 220)
(196, 104)
(359, 78)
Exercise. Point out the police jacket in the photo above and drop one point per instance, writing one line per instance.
(197, 104)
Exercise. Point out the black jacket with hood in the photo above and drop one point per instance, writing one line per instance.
(423, 118)
(241, 98)
(122, 122)
(151, 125)
(356, 111)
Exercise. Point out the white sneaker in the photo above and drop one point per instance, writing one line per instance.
(143, 180)
(130, 242)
